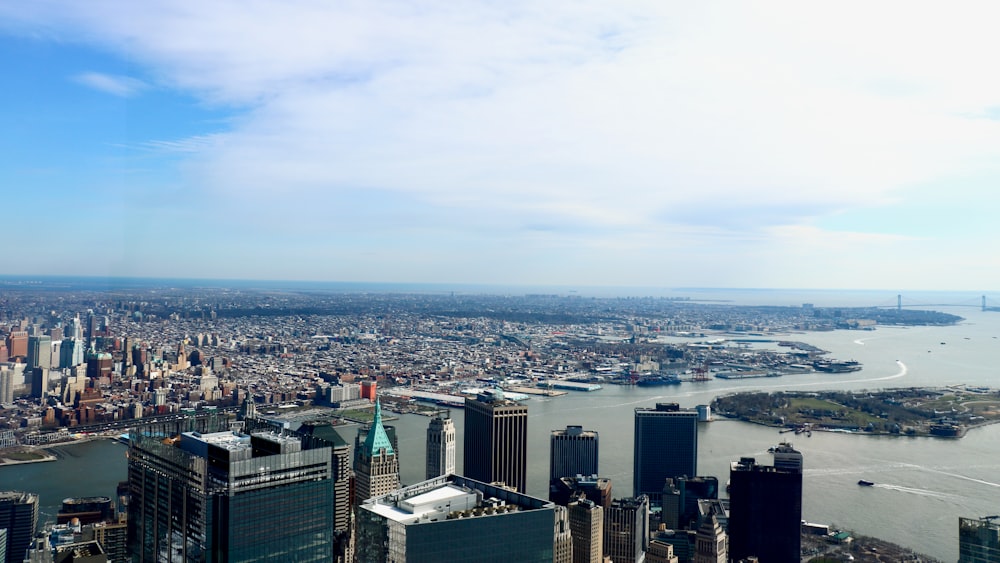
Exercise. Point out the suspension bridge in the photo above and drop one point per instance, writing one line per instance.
(982, 302)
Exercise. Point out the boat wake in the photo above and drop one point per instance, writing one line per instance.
(957, 476)
(903, 370)
(915, 491)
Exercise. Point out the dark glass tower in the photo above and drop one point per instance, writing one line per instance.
(228, 496)
(573, 451)
(978, 540)
(496, 440)
(19, 515)
(666, 446)
(765, 504)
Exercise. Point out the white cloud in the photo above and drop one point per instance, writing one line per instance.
(122, 86)
(595, 121)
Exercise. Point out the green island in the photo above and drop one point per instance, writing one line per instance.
(941, 412)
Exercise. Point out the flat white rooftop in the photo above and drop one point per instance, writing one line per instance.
(228, 440)
(433, 505)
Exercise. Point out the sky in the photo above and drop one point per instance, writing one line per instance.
(669, 144)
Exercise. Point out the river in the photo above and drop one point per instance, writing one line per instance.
(922, 485)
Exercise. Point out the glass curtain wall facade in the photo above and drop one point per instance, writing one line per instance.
(227, 496)
(666, 446)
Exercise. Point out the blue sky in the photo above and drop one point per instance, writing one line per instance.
(719, 144)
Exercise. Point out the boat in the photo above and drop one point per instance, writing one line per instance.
(658, 380)
(864, 483)
(836, 367)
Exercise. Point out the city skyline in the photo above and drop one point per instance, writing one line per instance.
(718, 145)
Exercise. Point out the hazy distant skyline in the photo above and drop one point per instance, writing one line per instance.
(720, 144)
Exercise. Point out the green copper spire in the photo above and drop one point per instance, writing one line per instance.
(377, 439)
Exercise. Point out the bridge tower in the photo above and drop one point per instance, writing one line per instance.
(899, 301)
(984, 303)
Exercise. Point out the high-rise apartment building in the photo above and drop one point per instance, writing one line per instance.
(455, 519)
(369, 390)
(586, 522)
(338, 394)
(978, 540)
(17, 344)
(572, 451)
(376, 467)
(626, 529)
(229, 496)
(496, 440)
(765, 507)
(19, 515)
(666, 447)
(440, 446)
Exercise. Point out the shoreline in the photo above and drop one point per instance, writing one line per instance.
(46, 452)
(788, 429)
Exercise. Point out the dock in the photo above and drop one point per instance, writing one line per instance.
(538, 391)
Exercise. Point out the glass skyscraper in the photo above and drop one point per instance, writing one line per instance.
(666, 447)
(765, 507)
(978, 540)
(230, 496)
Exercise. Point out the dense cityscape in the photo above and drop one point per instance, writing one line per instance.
(602, 282)
(269, 395)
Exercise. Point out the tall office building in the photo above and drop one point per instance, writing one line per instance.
(342, 475)
(74, 329)
(440, 446)
(6, 385)
(100, 366)
(39, 382)
(496, 440)
(565, 490)
(586, 523)
(17, 344)
(661, 552)
(711, 543)
(376, 467)
(666, 447)
(40, 352)
(455, 519)
(19, 515)
(229, 496)
(978, 540)
(626, 529)
(572, 451)
(679, 505)
(562, 538)
(765, 507)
